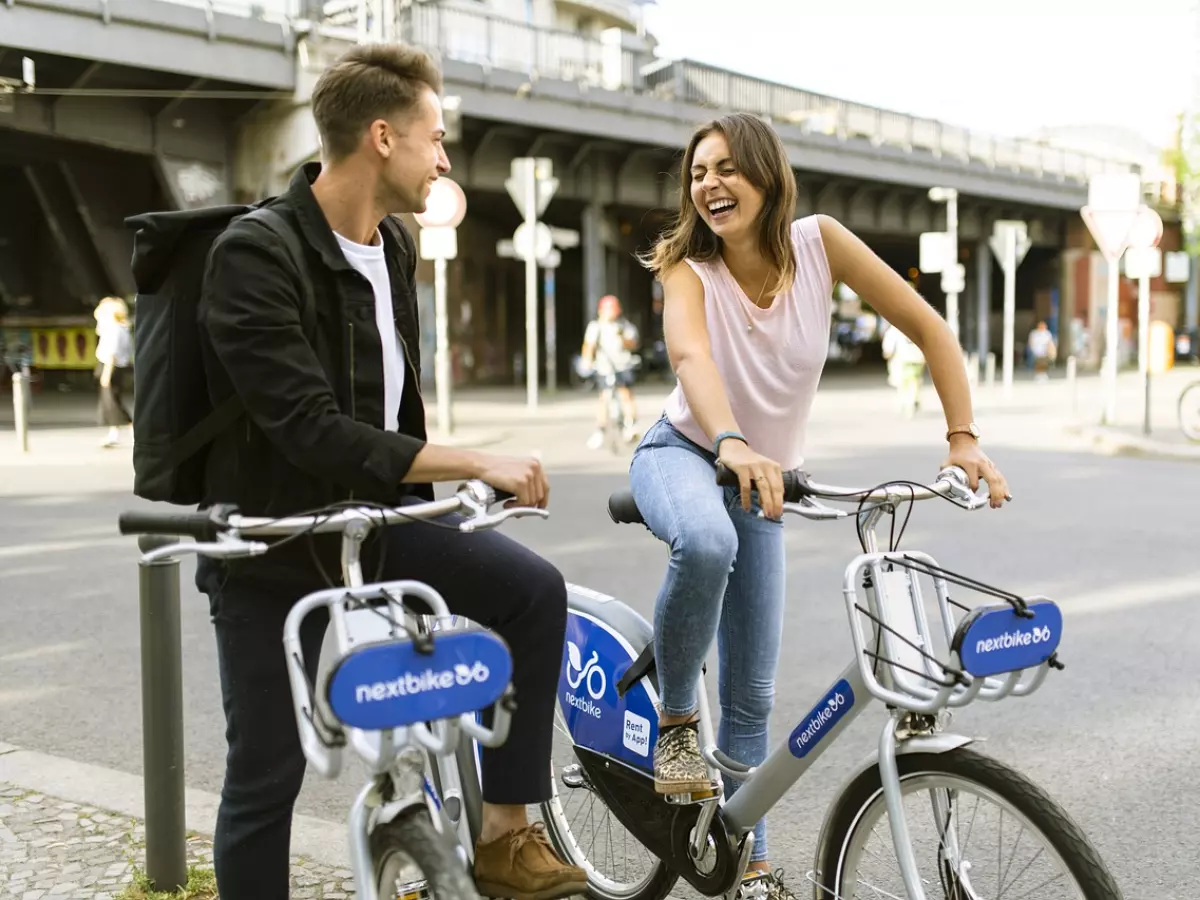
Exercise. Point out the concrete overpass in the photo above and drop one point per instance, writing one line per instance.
(147, 103)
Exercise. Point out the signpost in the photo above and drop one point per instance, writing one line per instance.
(1110, 214)
(1143, 261)
(444, 212)
(953, 273)
(549, 261)
(531, 186)
(1009, 243)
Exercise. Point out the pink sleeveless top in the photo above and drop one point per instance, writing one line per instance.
(770, 371)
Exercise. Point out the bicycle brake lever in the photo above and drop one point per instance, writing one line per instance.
(493, 519)
(225, 548)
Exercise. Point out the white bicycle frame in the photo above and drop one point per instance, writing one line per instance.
(398, 758)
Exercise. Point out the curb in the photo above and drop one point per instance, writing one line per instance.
(120, 792)
(1113, 442)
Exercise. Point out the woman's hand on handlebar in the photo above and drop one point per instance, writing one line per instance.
(766, 475)
(521, 476)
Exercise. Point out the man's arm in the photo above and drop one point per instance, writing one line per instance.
(251, 312)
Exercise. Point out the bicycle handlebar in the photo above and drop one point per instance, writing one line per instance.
(219, 529)
(951, 483)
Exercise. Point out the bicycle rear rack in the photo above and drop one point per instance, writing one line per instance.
(909, 665)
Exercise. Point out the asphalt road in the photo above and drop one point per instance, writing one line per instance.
(1113, 540)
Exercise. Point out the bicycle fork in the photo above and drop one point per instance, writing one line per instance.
(949, 853)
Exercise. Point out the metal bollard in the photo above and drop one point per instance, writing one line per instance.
(990, 370)
(20, 383)
(162, 719)
(1072, 385)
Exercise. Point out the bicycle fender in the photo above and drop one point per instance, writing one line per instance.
(937, 743)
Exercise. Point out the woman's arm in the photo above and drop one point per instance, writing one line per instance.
(685, 331)
(851, 261)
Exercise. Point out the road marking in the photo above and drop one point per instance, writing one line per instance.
(14, 551)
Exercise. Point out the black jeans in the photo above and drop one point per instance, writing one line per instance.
(485, 576)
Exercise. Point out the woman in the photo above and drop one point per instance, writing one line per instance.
(748, 296)
(114, 351)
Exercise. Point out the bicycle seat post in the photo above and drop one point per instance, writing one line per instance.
(352, 540)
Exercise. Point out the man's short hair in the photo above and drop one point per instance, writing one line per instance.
(369, 82)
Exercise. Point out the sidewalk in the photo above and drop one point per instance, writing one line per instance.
(71, 831)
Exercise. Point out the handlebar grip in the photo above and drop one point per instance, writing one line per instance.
(203, 524)
(795, 482)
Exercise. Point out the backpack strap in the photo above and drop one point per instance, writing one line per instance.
(230, 409)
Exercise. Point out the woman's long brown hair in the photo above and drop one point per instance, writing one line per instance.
(761, 158)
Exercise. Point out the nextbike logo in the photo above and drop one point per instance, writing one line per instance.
(824, 716)
(1010, 639)
(410, 684)
(590, 676)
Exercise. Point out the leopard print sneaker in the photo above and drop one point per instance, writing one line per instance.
(678, 766)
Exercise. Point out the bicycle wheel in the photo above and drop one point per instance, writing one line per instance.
(413, 861)
(583, 831)
(1189, 411)
(945, 822)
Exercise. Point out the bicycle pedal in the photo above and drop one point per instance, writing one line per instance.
(692, 797)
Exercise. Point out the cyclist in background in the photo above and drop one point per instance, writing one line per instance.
(608, 346)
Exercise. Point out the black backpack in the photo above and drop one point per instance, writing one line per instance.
(174, 419)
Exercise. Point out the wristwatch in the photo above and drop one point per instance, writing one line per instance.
(970, 429)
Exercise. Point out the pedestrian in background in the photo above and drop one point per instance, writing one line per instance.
(114, 358)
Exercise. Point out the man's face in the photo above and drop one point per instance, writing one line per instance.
(414, 156)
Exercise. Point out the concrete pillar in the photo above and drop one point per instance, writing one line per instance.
(594, 265)
(983, 296)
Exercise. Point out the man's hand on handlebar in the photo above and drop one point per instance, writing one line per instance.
(765, 474)
(966, 453)
(521, 476)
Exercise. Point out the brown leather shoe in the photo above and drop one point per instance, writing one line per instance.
(521, 865)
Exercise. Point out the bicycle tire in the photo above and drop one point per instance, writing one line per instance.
(1188, 409)
(412, 834)
(1041, 811)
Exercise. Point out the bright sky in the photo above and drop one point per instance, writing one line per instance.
(1002, 66)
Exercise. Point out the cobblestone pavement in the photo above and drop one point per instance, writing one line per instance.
(51, 849)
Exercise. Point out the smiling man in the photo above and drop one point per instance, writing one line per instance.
(320, 344)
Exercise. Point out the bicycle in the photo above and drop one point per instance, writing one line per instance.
(408, 681)
(616, 428)
(608, 715)
(1189, 411)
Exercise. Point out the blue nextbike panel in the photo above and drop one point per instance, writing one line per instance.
(821, 720)
(993, 640)
(594, 659)
(391, 684)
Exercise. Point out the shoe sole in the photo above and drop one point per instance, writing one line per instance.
(681, 787)
(556, 892)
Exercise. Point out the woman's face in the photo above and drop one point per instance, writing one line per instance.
(726, 201)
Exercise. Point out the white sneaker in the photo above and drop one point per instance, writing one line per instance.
(596, 441)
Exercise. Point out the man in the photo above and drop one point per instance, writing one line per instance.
(334, 412)
(608, 343)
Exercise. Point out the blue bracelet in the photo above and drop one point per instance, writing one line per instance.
(727, 434)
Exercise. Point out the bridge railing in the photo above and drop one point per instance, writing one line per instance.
(490, 40)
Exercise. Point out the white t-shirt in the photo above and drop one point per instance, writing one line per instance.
(114, 344)
(609, 339)
(369, 260)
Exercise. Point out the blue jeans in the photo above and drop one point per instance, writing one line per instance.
(725, 579)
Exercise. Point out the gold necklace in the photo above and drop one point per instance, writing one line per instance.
(746, 315)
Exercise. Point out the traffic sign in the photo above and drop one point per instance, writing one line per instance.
(1000, 228)
(1143, 262)
(936, 251)
(537, 241)
(446, 206)
(1176, 265)
(439, 243)
(954, 279)
(518, 188)
(564, 237)
(1147, 228)
(1110, 229)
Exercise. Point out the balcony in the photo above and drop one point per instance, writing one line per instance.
(610, 13)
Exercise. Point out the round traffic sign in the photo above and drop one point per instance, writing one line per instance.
(1147, 229)
(540, 241)
(446, 206)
